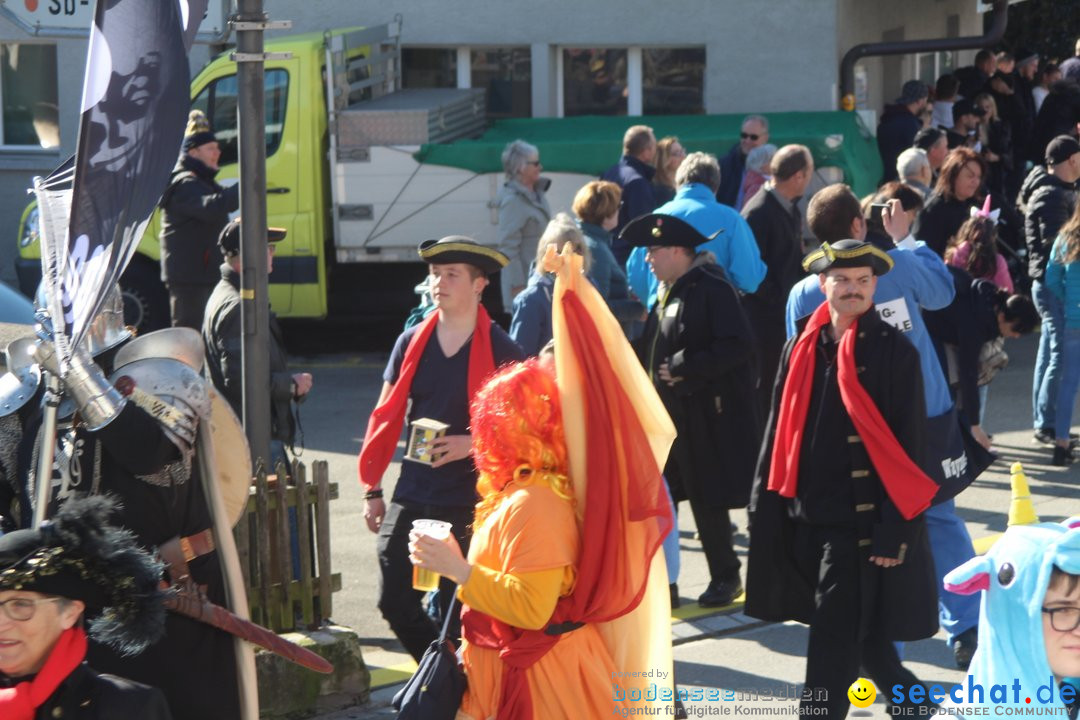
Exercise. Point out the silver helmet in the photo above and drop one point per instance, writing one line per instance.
(107, 330)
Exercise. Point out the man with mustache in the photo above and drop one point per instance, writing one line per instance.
(918, 281)
(837, 536)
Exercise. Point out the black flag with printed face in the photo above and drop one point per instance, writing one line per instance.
(134, 106)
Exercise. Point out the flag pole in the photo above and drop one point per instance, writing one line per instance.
(46, 448)
(254, 304)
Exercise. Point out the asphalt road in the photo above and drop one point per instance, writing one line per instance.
(718, 651)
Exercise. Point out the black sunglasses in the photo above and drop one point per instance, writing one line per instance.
(749, 136)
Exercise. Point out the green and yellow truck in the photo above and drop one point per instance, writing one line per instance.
(360, 170)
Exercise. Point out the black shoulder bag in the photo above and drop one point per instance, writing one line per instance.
(434, 691)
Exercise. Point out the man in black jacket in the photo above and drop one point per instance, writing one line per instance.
(1059, 115)
(900, 123)
(973, 78)
(222, 336)
(698, 349)
(773, 214)
(753, 133)
(837, 536)
(1049, 206)
(194, 210)
(980, 313)
(633, 173)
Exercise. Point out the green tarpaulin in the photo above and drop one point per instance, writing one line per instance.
(589, 145)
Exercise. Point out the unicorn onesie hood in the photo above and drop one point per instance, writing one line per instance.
(1013, 577)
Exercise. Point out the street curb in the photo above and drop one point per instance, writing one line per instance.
(689, 623)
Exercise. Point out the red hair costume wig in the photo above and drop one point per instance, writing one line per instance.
(518, 437)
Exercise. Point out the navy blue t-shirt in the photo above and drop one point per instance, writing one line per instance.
(439, 391)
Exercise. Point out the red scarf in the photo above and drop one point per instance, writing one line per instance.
(22, 701)
(384, 425)
(907, 485)
(626, 517)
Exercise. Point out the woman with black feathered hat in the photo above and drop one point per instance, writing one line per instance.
(73, 569)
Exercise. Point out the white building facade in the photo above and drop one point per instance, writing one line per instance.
(558, 58)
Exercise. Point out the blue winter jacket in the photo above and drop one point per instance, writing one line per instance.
(1063, 279)
(735, 248)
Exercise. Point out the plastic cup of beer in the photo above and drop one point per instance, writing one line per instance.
(423, 579)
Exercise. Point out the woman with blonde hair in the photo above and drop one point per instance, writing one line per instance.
(523, 215)
(530, 325)
(996, 137)
(669, 153)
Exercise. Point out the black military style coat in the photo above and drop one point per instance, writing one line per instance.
(87, 695)
(701, 331)
(900, 603)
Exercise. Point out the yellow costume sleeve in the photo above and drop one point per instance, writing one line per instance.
(524, 600)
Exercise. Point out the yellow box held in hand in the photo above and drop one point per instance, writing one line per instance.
(422, 433)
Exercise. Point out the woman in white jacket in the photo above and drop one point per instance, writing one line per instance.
(523, 215)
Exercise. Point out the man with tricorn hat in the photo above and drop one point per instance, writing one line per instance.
(222, 334)
(434, 369)
(76, 575)
(698, 348)
(128, 427)
(195, 208)
(837, 537)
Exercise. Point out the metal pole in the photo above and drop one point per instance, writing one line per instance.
(254, 302)
(46, 449)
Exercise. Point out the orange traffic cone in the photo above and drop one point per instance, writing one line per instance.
(1021, 510)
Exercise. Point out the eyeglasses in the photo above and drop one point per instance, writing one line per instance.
(533, 162)
(1064, 619)
(749, 136)
(22, 609)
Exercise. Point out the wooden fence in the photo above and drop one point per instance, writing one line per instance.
(284, 595)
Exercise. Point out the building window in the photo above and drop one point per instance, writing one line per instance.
(28, 92)
(673, 81)
(506, 75)
(930, 66)
(218, 100)
(428, 67)
(594, 81)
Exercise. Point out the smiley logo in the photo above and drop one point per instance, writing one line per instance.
(862, 693)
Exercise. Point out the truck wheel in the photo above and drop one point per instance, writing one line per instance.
(146, 302)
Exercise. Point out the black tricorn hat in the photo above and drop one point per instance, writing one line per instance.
(847, 254)
(78, 555)
(656, 230)
(460, 249)
(229, 239)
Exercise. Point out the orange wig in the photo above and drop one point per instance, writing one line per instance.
(517, 432)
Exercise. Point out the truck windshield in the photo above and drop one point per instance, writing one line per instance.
(218, 100)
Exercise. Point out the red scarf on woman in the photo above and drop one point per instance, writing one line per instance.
(22, 701)
(907, 485)
(384, 425)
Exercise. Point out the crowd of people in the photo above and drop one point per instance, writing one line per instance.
(825, 361)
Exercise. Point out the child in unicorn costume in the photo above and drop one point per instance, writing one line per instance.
(1028, 627)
